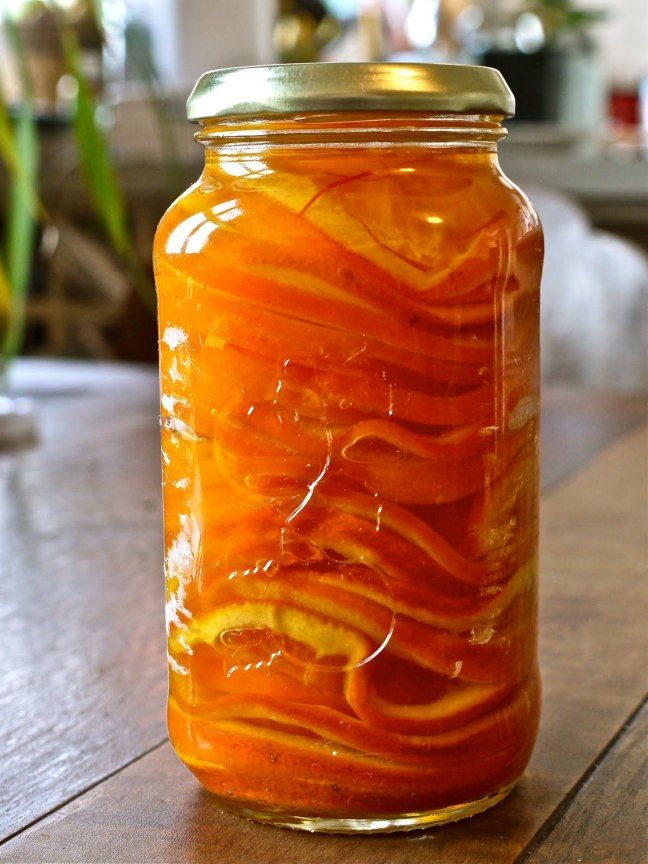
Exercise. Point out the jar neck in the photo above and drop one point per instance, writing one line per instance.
(356, 129)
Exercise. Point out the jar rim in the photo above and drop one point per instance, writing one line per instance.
(292, 88)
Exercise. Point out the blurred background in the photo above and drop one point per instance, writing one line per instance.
(94, 145)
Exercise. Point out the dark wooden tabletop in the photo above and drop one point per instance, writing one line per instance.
(86, 774)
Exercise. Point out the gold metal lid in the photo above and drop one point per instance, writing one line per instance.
(295, 88)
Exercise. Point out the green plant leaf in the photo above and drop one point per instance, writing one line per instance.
(23, 204)
(563, 15)
(97, 169)
(92, 147)
(7, 145)
(5, 304)
(9, 153)
(95, 7)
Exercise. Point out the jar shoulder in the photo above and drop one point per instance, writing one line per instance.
(520, 201)
(181, 209)
(418, 209)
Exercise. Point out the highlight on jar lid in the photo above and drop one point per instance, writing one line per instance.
(295, 87)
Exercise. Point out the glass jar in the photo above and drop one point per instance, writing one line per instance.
(348, 307)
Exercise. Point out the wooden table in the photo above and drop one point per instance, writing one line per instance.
(86, 774)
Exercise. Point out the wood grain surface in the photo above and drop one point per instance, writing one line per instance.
(82, 674)
(606, 822)
(83, 679)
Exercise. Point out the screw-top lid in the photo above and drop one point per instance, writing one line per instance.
(293, 88)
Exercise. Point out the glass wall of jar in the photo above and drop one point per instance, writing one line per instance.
(348, 302)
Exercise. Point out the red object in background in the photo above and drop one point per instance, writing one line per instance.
(624, 107)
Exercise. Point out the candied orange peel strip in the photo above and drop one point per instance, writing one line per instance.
(346, 354)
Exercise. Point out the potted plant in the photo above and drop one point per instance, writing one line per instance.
(24, 213)
(574, 85)
(548, 54)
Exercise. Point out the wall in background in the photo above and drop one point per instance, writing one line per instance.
(191, 36)
(623, 38)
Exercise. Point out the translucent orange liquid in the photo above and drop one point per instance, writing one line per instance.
(349, 368)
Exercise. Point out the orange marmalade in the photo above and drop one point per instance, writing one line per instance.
(348, 308)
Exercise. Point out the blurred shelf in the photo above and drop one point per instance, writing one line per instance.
(609, 179)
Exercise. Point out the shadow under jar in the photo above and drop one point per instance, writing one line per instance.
(348, 307)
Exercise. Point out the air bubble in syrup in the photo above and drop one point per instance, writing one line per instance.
(526, 409)
(210, 184)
